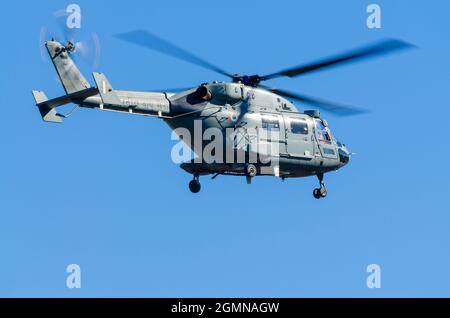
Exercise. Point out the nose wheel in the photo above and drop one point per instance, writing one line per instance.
(320, 193)
(251, 172)
(195, 185)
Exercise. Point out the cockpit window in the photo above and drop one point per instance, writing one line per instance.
(320, 125)
(271, 123)
(323, 133)
(299, 126)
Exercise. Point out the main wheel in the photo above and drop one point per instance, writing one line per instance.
(316, 194)
(195, 186)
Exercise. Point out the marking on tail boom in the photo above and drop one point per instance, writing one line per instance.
(105, 87)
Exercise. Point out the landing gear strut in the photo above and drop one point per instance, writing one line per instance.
(195, 185)
(321, 192)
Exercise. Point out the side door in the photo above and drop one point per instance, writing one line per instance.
(271, 139)
(299, 136)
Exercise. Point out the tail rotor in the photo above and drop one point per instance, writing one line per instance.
(82, 45)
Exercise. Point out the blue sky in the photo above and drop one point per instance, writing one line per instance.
(101, 190)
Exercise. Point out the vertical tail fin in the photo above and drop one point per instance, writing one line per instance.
(105, 89)
(69, 74)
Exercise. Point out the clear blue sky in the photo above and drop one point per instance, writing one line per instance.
(101, 190)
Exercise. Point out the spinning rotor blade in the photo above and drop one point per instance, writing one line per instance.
(339, 110)
(150, 41)
(89, 49)
(381, 48)
(65, 33)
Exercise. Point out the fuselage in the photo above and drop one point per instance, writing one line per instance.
(251, 123)
(260, 119)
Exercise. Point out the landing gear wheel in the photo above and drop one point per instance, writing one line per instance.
(251, 171)
(317, 194)
(195, 186)
(321, 192)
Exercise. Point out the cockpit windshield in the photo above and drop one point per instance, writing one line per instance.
(320, 125)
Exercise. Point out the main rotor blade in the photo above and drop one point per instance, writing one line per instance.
(150, 41)
(337, 109)
(374, 50)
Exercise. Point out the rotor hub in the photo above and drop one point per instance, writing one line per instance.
(253, 80)
(70, 47)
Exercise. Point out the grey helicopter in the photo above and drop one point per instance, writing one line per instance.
(247, 118)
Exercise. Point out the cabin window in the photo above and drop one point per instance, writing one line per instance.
(299, 126)
(271, 123)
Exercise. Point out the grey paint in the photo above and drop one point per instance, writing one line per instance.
(233, 105)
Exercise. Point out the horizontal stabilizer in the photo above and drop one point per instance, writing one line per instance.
(48, 107)
(48, 114)
(109, 97)
(71, 98)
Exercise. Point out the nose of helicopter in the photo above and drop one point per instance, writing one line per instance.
(344, 154)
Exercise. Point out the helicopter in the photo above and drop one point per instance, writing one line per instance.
(256, 129)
